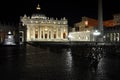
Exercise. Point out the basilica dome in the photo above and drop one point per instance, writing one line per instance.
(38, 15)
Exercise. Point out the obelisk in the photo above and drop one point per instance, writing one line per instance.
(100, 20)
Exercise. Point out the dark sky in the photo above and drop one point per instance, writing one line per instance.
(73, 10)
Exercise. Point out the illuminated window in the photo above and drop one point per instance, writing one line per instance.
(108, 35)
(36, 21)
(86, 23)
(114, 36)
(118, 36)
(111, 36)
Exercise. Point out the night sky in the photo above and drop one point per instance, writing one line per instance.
(71, 9)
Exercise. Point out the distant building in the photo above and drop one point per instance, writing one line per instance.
(83, 30)
(111, 29)
(38, 27)
(41, 28)
(86, 24)
(116, 19)
(5, 28)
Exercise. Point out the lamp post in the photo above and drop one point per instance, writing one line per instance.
(96, 34)
(100, 20)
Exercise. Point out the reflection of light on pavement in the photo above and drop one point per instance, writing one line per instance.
(101, 72)
(69, 60)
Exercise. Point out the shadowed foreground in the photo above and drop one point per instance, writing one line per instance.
(39, 63)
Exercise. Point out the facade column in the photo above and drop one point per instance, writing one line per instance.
(118, 37)
(56, 32)
(43, 34)
(33, 33)
(39, 33)
(48, 34)
(51, 33)
(28, 33)
(61, 33)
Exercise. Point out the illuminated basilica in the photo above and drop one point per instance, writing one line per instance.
(38, 27)
(42, 28)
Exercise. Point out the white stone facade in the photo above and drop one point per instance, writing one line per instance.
(82, 31)
(42, 28)
(80, 36)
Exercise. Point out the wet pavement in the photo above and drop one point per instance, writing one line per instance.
(38, 63)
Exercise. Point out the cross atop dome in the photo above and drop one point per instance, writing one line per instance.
(38, 7)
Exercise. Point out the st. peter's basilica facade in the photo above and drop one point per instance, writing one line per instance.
(42, 28)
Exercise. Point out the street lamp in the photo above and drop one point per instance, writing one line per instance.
(96, 33)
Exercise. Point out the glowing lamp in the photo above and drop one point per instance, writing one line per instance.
(96, 33)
